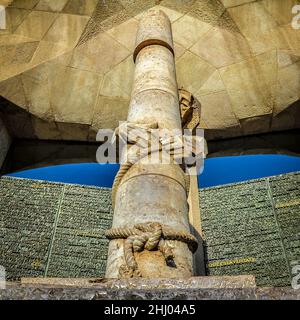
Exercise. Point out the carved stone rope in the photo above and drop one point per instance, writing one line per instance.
(148, 236)
(190, 110)
(145, 150)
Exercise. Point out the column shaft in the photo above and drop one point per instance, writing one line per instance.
(153, 192)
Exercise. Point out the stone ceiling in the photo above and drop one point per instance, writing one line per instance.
(68, 63)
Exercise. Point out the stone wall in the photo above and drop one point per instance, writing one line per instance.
(56, 230)
(253, 228)
(51, 229)
(5, 142)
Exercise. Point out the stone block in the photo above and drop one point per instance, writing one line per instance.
(109, 111)
(51, 5)
(192, 71)
(81, 7)
(188, 30)
(73, 94)
(86, 57)
(36, 24)
(67, 30)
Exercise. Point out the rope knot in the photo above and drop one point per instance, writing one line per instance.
(148, 236)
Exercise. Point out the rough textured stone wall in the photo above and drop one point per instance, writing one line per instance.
(253, 228)
(5, 142)
(51, 229)
(196, 288)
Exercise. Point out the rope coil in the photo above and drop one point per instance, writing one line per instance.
(148, 236)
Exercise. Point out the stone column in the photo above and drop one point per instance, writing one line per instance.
(153, 192)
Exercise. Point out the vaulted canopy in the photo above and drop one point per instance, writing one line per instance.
(66, 66)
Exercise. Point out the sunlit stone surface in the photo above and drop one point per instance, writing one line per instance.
(59, 55)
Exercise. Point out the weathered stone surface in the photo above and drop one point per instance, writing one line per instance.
(14, 17)
(134, 7)
(46, 51)
(170, 291)
(221, 47)
(42, 236)
(5, 3)
(105, 16)
(261, 20)
(252, 98)
(285, 58)
(80, 7)
(179, 50)
(115, 84)
(214, 282)
(238, 39)
(51, 5)
(67, 29)
(207, 11)
(289, 87)
(105, 108)
(281, 11)
(27, 235)
(234, 3)
(86, 252)
(215, 104)
(12, 89)
(17, 55)
(213, 84)
(64, 97)
(110, 89)
(87, 57)
(187, 30)
(37, 98)
(192, 72)
(125, 33)
(28, 4)
(256, 222)
(172, 14)
(36, 24)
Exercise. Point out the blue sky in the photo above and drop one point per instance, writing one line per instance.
(217, 171)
